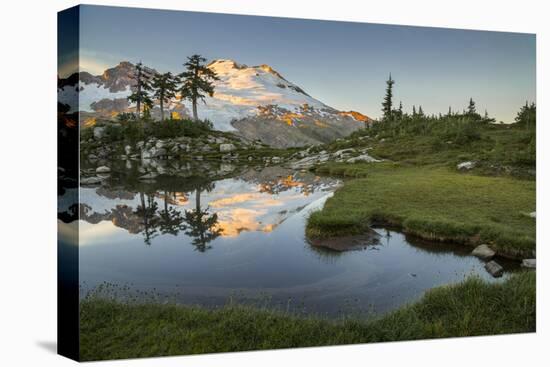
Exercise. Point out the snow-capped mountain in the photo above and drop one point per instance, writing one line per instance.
(255, 101)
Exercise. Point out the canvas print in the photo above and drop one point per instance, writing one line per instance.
(233, 183)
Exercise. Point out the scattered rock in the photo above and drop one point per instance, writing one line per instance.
(90, 180)
(483, 252)
(102, 169)
(466, 165)
(227, 148)
(342, 152)
(529, 263)
(494, 269)
(363, 158)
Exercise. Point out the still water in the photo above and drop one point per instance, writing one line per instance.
(242, 239)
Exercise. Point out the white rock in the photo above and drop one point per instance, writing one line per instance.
(484, 252)
(128, 149)
(99, 132)
(226, 147)
(466, 165)
(363, 158)
(103, 169)
(343, 151)
(533, 214)
(529, 263)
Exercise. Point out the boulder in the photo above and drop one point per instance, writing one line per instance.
(159, 152)
(227, 148)
(529, 263)
(276, 160)
(483, 252)
(465, 166)
(533, 214)
(494, 269)
(128, 149)
(102, 169)
(99, 132)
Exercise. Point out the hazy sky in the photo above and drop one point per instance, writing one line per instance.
(343, 64)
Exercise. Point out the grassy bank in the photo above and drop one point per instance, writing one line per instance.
(114, 330)
(431, 202)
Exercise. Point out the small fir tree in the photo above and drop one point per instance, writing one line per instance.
(197, 81)
(164, 86)
(387, 103)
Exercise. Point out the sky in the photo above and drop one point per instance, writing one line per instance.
(342, 64)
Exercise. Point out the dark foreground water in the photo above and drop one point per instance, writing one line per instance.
(242, 239)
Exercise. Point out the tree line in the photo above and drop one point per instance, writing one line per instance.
(526, 116)
(193, 84)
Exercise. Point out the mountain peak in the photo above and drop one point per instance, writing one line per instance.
(225, 64)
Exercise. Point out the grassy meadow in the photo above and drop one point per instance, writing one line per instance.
(111, 329)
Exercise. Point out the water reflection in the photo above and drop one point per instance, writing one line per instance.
(201, 225)
(257, 200)
(203, 240)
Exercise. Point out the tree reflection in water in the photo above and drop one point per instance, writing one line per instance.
(147, 211)
(171, 220)
(200, 223)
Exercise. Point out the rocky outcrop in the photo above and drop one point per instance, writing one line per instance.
(349, 155)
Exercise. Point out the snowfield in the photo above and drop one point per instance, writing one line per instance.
(238, 93)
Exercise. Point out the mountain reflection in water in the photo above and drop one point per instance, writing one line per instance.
(205, 241)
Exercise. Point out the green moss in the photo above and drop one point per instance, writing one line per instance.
(116, 330)
(432, 202)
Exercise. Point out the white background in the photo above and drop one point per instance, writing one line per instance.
(28, 182)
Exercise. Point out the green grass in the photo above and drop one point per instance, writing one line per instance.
(432, 202)
(116, 330)
(503, 150)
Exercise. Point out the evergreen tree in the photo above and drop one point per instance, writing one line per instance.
(527, 115)
(414, 111)
(197, 80)
(449, 114)
(164, 86)
(387, 104)
(471, 107)
(140, 95)
(420, 111)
